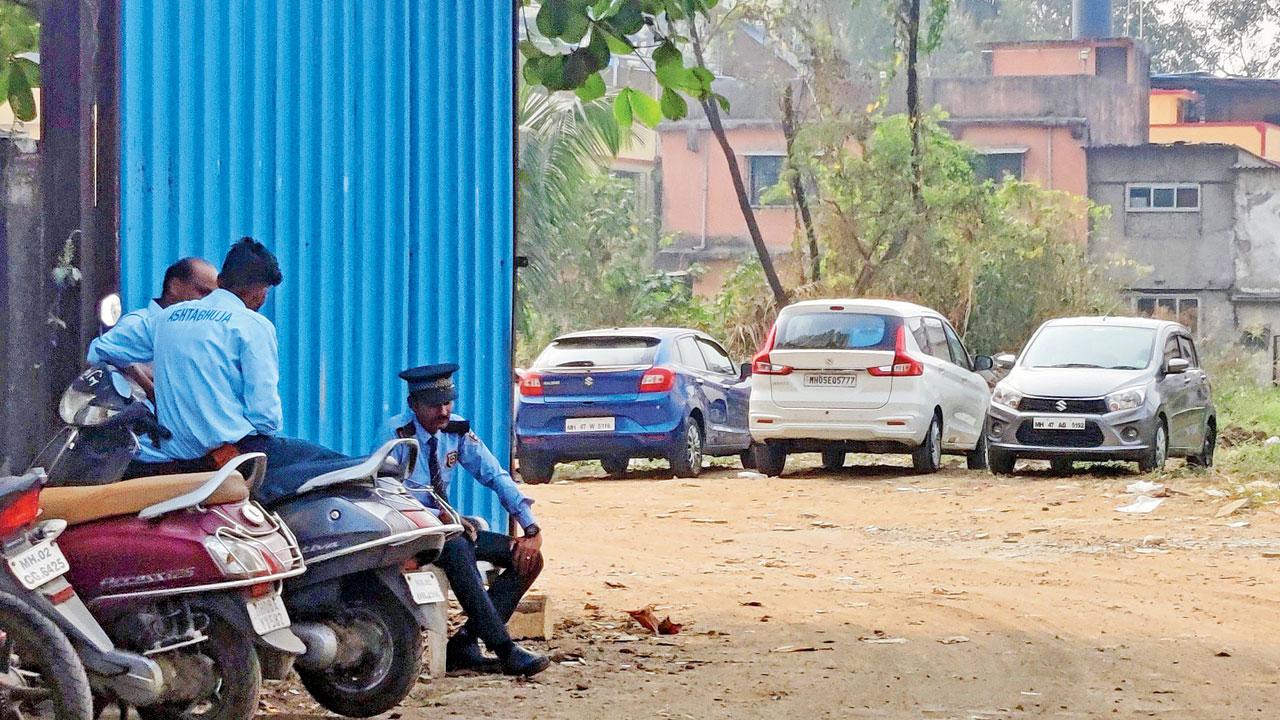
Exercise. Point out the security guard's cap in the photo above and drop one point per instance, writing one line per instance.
(432, 384)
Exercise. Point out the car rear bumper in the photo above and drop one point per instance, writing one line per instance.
(901, 423)
(594, 446)
(1124, 435)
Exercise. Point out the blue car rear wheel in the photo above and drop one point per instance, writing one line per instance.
(686, 460)
(615, 466)
(536, 470)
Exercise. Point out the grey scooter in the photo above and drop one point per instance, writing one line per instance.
(362, 605)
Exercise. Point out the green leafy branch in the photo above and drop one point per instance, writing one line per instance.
(591, 33)
(19, 70)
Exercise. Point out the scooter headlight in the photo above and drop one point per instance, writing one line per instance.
(237, 559)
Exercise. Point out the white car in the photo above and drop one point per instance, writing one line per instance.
(867, 376)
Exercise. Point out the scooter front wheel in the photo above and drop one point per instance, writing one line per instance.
(380, 674)
(236, 683)
(40, 673)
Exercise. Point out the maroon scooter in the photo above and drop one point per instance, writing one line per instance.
(183, 569)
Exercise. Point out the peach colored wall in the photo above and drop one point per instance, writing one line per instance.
(641, 146)
(688, 174)
(1249, 136)
(712, 279)
(1067, 171)
(1023, 61)
(1164, 109)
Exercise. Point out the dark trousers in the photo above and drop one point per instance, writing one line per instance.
(290, 462)
(487, 612)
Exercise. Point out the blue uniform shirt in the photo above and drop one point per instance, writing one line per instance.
(130, 326)
(217, 371)
(127, 329)
(469, 452)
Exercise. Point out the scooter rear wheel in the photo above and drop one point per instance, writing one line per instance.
(387, 669)
(40, 673)
(238, 681)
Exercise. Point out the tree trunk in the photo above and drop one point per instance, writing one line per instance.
(712, 110)
(789, 129)
(914, 120)
(914, 111)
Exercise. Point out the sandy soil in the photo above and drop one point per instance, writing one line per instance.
(874, 593)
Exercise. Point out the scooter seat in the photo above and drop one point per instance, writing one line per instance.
(79, 505)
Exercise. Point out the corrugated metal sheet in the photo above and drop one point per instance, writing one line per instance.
(370, 145)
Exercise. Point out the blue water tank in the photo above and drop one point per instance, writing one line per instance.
(1091, 19)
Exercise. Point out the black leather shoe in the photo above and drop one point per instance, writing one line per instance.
(464, 653)
(519, 661)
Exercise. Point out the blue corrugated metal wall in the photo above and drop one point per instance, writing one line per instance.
(367, 142)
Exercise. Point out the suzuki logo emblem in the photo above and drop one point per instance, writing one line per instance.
(1061, 405)
(589, 381)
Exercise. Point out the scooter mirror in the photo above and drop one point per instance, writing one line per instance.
(110, 310)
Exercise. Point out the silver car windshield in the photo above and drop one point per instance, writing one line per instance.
(1091, 346)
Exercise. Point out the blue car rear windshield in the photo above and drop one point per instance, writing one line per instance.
(837, 331)
(598, 352)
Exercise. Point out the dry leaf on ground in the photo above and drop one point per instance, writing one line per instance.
(650, 622)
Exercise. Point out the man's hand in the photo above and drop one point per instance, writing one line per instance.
(469, 528)
(524, 552)
(141, 374)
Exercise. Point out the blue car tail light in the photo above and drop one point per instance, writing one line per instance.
(658, 379)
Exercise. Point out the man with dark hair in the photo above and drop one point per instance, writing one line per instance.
(446, 441)
(216, 372)
(191, 278)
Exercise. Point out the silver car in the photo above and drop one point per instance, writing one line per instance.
(1098, 389)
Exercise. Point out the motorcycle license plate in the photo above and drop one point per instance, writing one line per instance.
(39, 565)
(268, 614)
(424, 588)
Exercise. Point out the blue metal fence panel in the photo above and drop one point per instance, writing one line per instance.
(462, 174)
(369, 144)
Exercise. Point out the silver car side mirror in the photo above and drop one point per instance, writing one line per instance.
(1176, 366)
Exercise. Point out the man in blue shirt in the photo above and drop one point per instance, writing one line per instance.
(191, 278)
(216, 373)
(447, 442)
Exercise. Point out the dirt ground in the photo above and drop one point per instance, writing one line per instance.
(874, 593)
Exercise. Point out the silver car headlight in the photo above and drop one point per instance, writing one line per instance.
(1006, 396)
(1127, 399)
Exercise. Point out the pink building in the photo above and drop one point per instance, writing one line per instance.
(700, 206)
(1045, 102)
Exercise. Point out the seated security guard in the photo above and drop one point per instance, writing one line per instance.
(447, 441)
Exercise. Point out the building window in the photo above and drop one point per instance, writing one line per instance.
(997, 165)
(1164, 197)
(765, 172)
(1179, 308)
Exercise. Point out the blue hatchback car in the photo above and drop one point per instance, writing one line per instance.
(612, 395)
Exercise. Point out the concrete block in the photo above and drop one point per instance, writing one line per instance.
(437, 629)
(532, 619)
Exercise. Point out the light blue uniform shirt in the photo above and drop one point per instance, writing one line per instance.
(217, 371)
(469, 452)
(130, 326)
